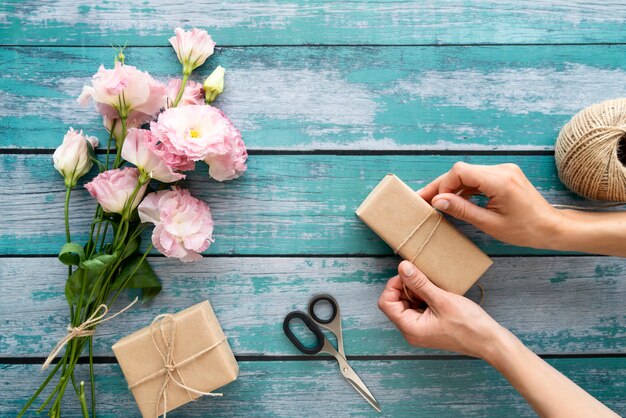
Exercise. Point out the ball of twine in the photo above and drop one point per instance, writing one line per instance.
(591, 151)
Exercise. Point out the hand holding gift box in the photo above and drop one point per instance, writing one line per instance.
(420, 234)
(176, 359)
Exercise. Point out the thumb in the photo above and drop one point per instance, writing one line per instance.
(463, 209)
(419, 284)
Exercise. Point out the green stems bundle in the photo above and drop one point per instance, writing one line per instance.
(98, 272)
(184, 129)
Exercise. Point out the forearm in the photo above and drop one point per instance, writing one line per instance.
(590, 232)
(546, 390)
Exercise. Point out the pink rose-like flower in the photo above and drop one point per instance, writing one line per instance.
(140, 149)
(183, 224)
(114, 187)
(193, 94)
(192, 47)
(124, 88)
(71, 158)
(177, 162)
(232, 164)
(193, 131)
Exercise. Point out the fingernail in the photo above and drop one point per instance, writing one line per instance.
(441, 204)
(408, 270)
(419, 191)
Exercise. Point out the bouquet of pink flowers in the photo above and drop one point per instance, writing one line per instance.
(160, 132)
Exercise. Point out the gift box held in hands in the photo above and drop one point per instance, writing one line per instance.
(416, 231)
(176, 359)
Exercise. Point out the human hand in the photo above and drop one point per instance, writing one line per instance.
(516, 212)
(453, 322)
(450, 322)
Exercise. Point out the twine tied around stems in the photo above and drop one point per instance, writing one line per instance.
(170, 367)
(83, 330)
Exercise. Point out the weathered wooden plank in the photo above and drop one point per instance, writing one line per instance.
(556, 305)
(285, 204)
(458, 98)
(246, 22)
(430, 388)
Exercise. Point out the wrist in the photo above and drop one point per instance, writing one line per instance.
(570, 231)
(501, 348)
(558, 230)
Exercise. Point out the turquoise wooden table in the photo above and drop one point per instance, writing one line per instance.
(330, 96)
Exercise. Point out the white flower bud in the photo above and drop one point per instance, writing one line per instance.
(214, 84)
(71, 158)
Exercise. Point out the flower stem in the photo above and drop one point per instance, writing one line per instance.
(127, 211)
(83, 401)
(74, 355)
(68, 190)
(111, 136)
(76, 388)
(93, 241)
(68, 238)
(63, 373)
(92, 379)
(104, 234)
(181, 90)
(41, 388)
(120, 145)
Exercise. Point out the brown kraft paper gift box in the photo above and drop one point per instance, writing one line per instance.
(202, 357)
(418, 233)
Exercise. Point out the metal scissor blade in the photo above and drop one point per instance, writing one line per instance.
(357, 383)
(366, 394)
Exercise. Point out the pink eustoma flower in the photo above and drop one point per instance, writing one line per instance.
(232, 164)
(176, 161)
(193, 131)
(192, 47)
(193, 94)
(140, 149)
(124, 89)
(183, 224)
(114, 187)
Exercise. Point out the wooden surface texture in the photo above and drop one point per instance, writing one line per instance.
(330, 96)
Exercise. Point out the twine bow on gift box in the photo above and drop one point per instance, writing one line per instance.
(170, 367)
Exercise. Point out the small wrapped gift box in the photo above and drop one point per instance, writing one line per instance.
(418, 233)
(176, 359)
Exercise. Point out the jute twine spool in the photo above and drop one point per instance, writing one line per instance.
(591, 151)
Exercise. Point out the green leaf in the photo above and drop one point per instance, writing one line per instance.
(92, 156)
(73, 287)
(72, 254)
(143, 278)
(100, 262)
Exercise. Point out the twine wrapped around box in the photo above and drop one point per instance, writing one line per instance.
(170, 366)
(176, 359)
(419, 233)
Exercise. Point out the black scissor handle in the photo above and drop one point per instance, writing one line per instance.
(326, 298)
(312, 326)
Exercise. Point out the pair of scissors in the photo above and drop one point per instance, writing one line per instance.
(332, 324)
